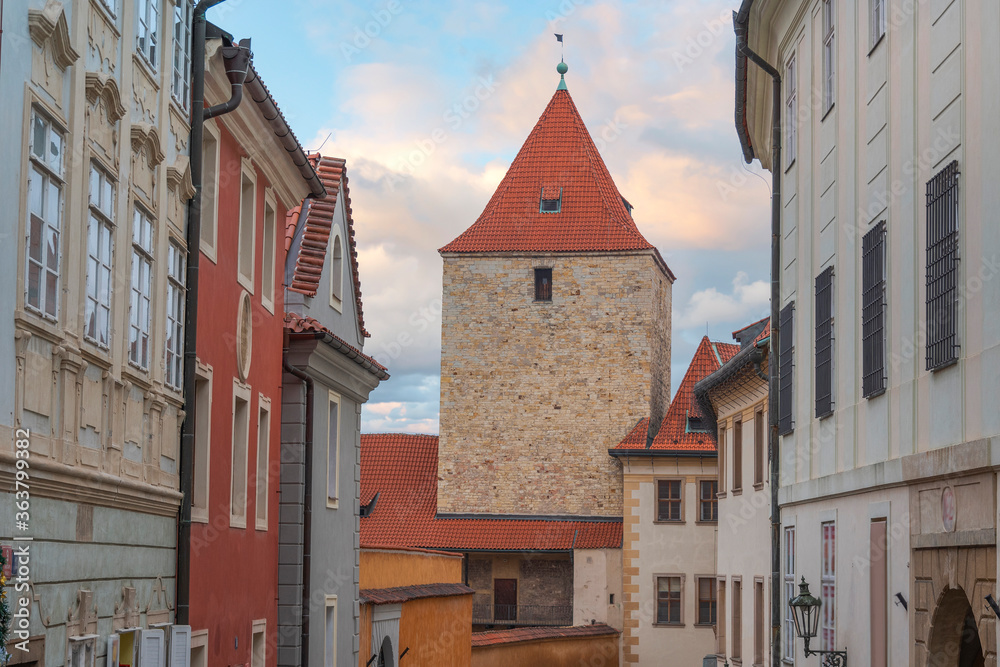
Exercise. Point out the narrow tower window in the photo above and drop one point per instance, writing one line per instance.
(543, 284)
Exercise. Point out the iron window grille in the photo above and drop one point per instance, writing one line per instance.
(543, 284)
(786, 352)
(824, 343)
(942, 267)
(873, 311)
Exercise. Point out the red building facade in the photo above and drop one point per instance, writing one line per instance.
(250, 180)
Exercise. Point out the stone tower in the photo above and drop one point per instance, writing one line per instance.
(555, 334)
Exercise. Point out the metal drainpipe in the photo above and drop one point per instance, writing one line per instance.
(183, 581)
(741, 28)
(307, 456)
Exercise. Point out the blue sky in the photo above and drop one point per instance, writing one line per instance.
(430, 101)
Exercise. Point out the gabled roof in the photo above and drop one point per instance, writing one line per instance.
(514, 635)
(296, 324)
(402, 469)
(559, 159)
(313, 219)
(685, 427)
(400, 594)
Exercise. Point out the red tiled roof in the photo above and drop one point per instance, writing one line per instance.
(674, 433)
(765, 332)
(317, 225)
(402, 468)
(514, 635)
(558, 156)
(400, 594)
(298, 324)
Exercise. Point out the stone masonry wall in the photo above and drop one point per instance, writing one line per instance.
(534, 393)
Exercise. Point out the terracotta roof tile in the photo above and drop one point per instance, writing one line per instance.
(558, 156)
(298, 324)
(402, 468)
(400, 594)
(316, 226)
(514, 635)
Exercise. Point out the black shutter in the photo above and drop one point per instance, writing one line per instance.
(786, 320)
(824, 343)
(942, 267)
(873, 311)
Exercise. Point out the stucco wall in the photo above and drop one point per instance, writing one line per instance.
(384, 568)
(438, 631)
(571, 652)
(596, 578)
(531, 435)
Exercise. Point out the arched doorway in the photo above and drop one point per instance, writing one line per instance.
(386, 658)
(954, 636)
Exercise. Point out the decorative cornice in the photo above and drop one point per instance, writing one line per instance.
(146, 135)
(179, 178)
(50, 23)
(104, 86)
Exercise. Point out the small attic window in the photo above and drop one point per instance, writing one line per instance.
(551, 200)
(628, 206)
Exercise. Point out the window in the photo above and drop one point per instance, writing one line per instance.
(209, 190)
(706, 601)
(758, 622)
(241, 433)
(111, 6)
(267, 269)
(877, 18)
(722, 459)
(337, 273)
(333, 452)
(543, 284)
(147, 37)
(873, 311)
(708, 500)
(737, 644)
(828, 582)
(786, 355)
(550, 201)
(791, 111)
(738, 456)
(248, 203)
(829, 54)
(878, 593)
(824, 343)
(142, 288)
(100, 249)
(82, 651)
(180, 87)
(174, 375)
(720, 628)
(788, 632)
(257, 645)
(263, 451)
(942, 267)
(199, 648)
(668, 500)
(331, 631)
(759, 447)
(668, 600)
(45, 208)
(202, 445)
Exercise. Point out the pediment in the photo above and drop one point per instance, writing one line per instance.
(102, 86)
(48, 27)
(146, 136)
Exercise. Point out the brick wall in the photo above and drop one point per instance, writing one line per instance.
(533, 394)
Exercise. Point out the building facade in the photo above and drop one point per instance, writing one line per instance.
(734, 402)
(670, 526)
(320, 441)
(250, 180)
(889, 347)
(95, 125)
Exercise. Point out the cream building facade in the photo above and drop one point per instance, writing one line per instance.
(95, 183)
(890, 330)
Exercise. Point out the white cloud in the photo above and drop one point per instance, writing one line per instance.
(746, 303)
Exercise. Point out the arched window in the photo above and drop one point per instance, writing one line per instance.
(336, 273)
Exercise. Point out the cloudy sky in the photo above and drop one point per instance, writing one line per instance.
(429, 103)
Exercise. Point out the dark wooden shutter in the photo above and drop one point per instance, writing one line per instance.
(942, 267)
(873, 311)
(824, 343)
(786, 320)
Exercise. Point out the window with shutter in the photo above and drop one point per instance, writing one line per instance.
(824, 343)
(180, 646)
(942, 267)
(786, 350)
(151, 650)
(873, 311)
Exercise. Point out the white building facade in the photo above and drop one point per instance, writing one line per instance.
(889, 347)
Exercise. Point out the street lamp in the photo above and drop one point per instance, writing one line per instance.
(805, 613)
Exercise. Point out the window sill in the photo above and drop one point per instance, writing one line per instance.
(944, 365)
(738, 492)
(721, 494)
(825, 415)
(541, 301)
(875, 45)
(706, 523)
(704, 625)
(237, 522)
(875, 394)
(827, 112)
(658, 522)
(758, 486)
(668, 625)
(789, 166)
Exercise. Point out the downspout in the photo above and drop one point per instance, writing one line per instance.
(741, 25)
(307, 457)
(198, 116)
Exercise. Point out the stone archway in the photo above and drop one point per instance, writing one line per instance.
(954, 639)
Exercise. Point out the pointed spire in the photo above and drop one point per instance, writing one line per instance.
(562, 67)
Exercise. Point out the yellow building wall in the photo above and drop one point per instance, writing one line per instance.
(569, 652)
(438, 631)
(386, 568)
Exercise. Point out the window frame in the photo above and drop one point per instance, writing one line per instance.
(142, 255)
(828, 585)
(791, 111)
(825, 352)
(269, 257)
(100, 223)
(788, 578)
(201, 474)
(877, 23)
(48, 174)
(720, 615)
(333, 447)
(713, 600)
(738, 455)
(829, 60)
(336, 270)
(263, 466)
(943, 260)
(210, 187)
(873, 311)
(241, 392)
(759, 642)
(173, 356)
(258, 628)
(540, 273)
(199, 640)
(736, 642)
(713, 499)
(721, 447)
(679, 623)
(182, 20)
(247, 226)
(148, 15)
(330, 638)
(759, 449)
(681, 483)
(786, 369)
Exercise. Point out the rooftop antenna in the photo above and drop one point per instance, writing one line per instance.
(324, 142)
(561, 67)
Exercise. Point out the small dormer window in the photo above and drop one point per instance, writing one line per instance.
(543, 284)
(551, 200)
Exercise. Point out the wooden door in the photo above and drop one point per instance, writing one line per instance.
(505, 599)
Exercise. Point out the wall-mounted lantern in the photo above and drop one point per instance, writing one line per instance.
(805, 612)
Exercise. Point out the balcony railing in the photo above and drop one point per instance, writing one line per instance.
(522, 614)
